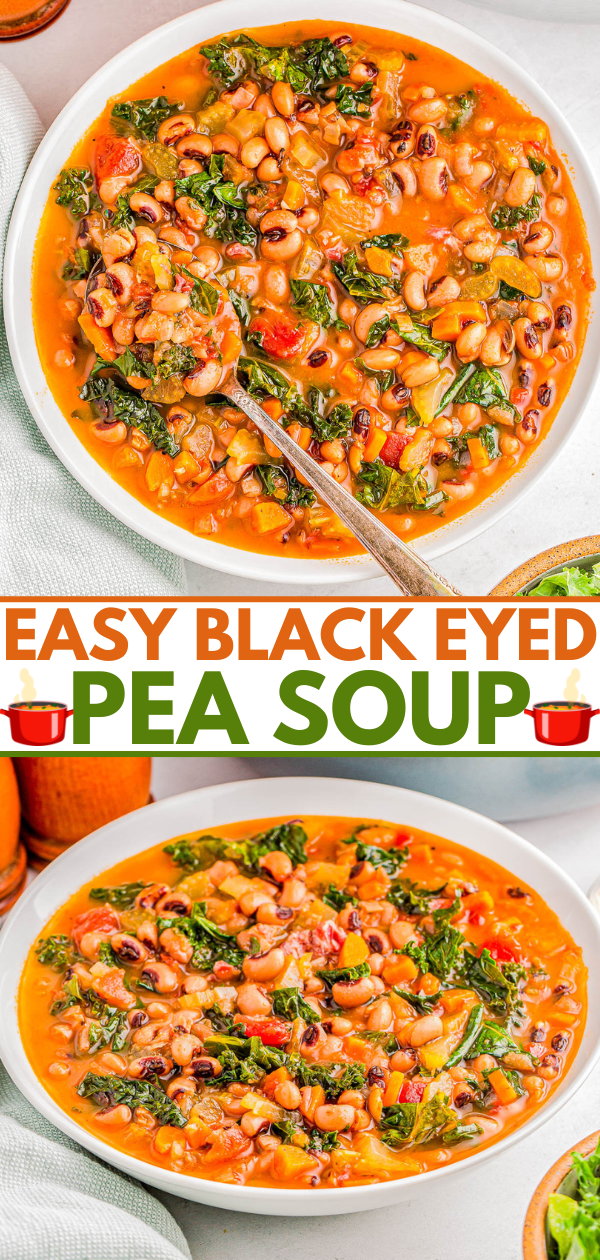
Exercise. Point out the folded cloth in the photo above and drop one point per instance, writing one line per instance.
(54, 538)
(58, 1203)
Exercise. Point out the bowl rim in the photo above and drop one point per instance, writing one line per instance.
(79, 113)
(237, 801)
(547, 563)
(534, 1240)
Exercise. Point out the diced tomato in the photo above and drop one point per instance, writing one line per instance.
(499, 951)
(411, 1091)
(272, 1032)
(402, 840)
(393, 447)
(278, 337)
(102, 920)
(116, 155)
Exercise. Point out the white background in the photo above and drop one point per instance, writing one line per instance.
(564, 59)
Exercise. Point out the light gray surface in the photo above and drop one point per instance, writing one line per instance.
(563, 58)
(473, 1216)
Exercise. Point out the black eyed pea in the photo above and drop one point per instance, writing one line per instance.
(264, 967)
(521, 187)
(293, 894)
(283, 99)
(403, 1060)
(173, 129)
(146, 207)
(194, 146)
(277, 135)
(162, 978)
(366, 318)
(469, 341)
(117, 245)
(253, 152)
(351, 993)
(556, 206)
(203, 378)
(184, 1047)
(420, 371)
(264, 105)
(121, 279)
(426, 142)
(275, 285)
(380, 359)
(331, 1118)
(414, 291)
(498, 344)
(268, 172)
(538, 239)
(426, 1029)
(252, 1001)
(222, 143)
(334, 451)
(114, 1117)
(540, 315)
(176, 945)
(281, 236)
(191, 212)
(428, 111)
(528, 428)
(381, 1016)
(170, 303)
(363, 72)
(548, 267)
(479, 175)
(278, 864)
(403, 139)
(149, 1065)
(102, 305)
(128, 948)
(405, 177)
(528, 342)
(446, 289)
(432, 176)
(287, 1095)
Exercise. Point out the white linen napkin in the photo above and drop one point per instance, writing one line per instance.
(58, 1203)
(54, 538)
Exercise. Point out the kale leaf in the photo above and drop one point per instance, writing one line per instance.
(420, 336)
(308, 67)
(280, 482)
(313, 301)
(355, 101)
(336, 424)
(460, 110)
(439, 953)
(289, 838)
(506, 217)
(485, 387)
(211, 944)
(496, 982)
(289, 1004)
(110, 1091)
(333, 1077)
(492, 1039)
(55, 951)
(390, 860)
(421, 1002)
(570, 582)
(122, 896)
(411, 898)
(417, 1122)
(385, 488)
(110, 401)
(78, 265)
(337, 898)
(203, 297)
(344, 975)
(176, 360)
(73, 187)
(363, 285)
(126, 363)
(395, 241)
(144, 116)
(221, 201)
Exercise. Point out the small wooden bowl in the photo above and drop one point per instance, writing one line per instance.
(569, 553)
(534, 1231)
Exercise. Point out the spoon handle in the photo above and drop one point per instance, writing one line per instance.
(411, 574)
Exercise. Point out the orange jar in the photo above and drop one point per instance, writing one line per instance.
(13, 861)
(64, 798)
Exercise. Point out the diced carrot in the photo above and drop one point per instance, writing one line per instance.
(159, 470)
(196, 1133)
(375, 1103)
(392, 1089)
(126, 457)
(231, 347)
(267, 517)
(461, 198)
(505, 1092)
(482, 900)
(290, 1162)
(400, 970)
(182, 257)
(429, 984)
(165, 1137)
(375, 442)
(349, 377)
(111, 989)
(278, 1077)
(533, 130)
(379, 260)
(217, 487)
(478, 453)
(186, 467)
(548, 362)
(354, 950)
(313, 1099)
(101, 338)
(294, 195)
(273, 408)
(376, 888)
(447, 327)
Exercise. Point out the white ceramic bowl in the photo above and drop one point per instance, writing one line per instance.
(154, 49)
(232, 802)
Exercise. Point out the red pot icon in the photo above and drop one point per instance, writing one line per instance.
(37, 722)
(562, 722)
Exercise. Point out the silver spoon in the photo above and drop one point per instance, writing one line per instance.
(411, 574)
